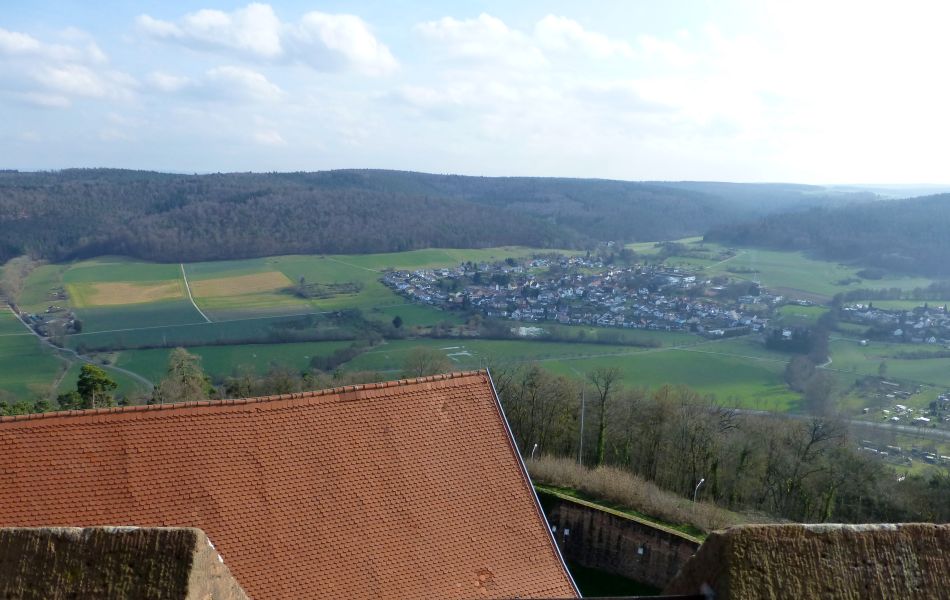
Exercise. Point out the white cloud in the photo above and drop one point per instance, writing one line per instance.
(53, 75)
(224, 83)
(245, 82)
(566, 35)
(485, 39)
(165, 82)
(15, 44)
(327, 41)
(320, 40)
(254, 30)
(75, 80)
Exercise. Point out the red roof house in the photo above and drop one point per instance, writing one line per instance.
(403, 489)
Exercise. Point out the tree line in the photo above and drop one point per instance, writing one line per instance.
(80, 213)
(904, 236)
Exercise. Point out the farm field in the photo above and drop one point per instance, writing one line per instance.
(791, 315)
(28, 368)
(35, 296)
(849, 356)
(236, 331)
(135, 316)
(750, 383)
(413, 315)
(222, 361)
(475, 354)
(733, 380)
(791, 272)
(141, 310)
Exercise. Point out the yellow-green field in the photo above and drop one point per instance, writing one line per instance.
(85, 295)
(237, 285)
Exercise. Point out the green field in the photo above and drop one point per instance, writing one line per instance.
(117, 269)
(413, 315)
(28, 368)
(222, 361)
(253, 329)
(35, 296)
(745, 380)
(851, 357)
(792, 315)
(10, 325)
(790, 273)
(250, 300)
(134, 316)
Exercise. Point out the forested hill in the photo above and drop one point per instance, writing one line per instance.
(165, 217)
(904, 235)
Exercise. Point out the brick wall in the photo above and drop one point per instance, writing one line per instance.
(616, 543)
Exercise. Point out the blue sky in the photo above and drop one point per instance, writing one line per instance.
(822, 92)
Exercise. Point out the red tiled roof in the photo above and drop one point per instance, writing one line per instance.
(404, 489)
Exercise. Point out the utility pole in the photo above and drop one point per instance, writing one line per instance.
(580, 447)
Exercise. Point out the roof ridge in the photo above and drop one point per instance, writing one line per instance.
(241, 401)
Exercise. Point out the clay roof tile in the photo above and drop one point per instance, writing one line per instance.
(351, 492)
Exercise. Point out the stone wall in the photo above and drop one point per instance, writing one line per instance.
(119, 563)
(611, 541)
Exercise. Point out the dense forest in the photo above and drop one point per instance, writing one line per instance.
(79, 213)
(901, 235)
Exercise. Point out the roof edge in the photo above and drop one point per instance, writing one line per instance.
(526, 478)
(241, 401)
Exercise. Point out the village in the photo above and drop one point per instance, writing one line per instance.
(924, 324)
(576, 290)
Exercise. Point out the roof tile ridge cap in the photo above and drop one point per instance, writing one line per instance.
(242, 401)
(108, 410)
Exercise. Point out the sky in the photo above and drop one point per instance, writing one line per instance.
(729, 90)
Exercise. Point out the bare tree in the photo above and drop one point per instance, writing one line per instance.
(605, 380)
(423, 361)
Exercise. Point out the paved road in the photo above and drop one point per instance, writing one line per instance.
(148, 384)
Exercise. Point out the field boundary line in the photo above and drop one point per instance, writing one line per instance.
(190, 297)
(352, 265)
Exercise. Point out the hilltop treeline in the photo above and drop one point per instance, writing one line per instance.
(164, 217)
(901, 235)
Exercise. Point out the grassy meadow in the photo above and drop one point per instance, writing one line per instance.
(223, 361)
(133, 312)
(28, 367)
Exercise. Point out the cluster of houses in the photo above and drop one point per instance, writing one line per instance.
(922, 325)
(584, 291)
(901, 412)
(901, 456)
(55, 321)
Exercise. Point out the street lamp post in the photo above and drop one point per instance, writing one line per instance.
(696, 491)
(533, 450)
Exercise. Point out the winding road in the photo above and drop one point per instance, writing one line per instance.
(148, 384)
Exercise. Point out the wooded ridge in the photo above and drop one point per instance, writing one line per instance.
(907, 236)
(79, 213)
